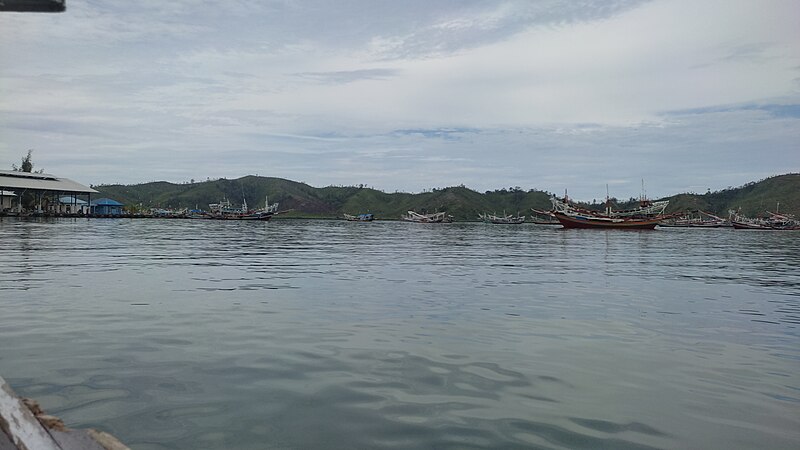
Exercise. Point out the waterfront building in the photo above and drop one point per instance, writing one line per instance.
(7, 201)
(106, 207)
(71, 204)
(41, 190)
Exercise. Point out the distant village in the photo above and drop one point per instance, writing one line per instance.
(37, 194)
(25, 192)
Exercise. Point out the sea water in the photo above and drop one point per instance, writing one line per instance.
(190, 334)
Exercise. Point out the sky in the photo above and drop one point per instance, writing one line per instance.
(684, 96)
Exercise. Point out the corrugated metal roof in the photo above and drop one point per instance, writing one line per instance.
(106, 202)
(40, 182)
(71, 200)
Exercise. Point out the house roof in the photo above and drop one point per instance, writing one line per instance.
(10, 179)
(71, 200)
(106, 202)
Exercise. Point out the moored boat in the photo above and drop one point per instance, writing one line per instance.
(359, 218)
(164, 213)
(224, 210)
(505, 219)
(540, 217)
(694, 219)
(197, 214)
(773, 221)
(644, 217)
(439, 217)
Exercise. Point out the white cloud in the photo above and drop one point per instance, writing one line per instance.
(548, 94)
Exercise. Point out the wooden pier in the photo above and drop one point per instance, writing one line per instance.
(25, 426)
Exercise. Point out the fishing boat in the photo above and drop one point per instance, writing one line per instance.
(197, 214)
(694, 219)
(505, 219)
(359, 218)
(439, 217)
(540, 217)
(224, 210)
(773, 221)
(164, 213)
(645, 217)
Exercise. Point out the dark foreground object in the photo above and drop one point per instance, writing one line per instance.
(24, 425)
(33, 5)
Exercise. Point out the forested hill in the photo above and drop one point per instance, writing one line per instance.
(463, 203)
(753, 198)
(327, 202)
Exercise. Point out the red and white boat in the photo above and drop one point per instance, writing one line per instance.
(645, 217)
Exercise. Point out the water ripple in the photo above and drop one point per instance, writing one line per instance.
(327, 334)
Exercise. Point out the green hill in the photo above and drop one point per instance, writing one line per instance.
(302, 200)
(753, 198)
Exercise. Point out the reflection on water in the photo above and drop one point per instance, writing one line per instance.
(324, 334)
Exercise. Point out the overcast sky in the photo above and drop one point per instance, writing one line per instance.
(408, 95)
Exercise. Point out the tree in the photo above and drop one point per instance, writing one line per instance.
(28, 199)
(27, 164)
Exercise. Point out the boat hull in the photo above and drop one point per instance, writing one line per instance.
(359, 218)
(589, 222)
(423, 220)
(750, 226)
(415, 217)
(262, 218)
(507, 223)
(690, 225)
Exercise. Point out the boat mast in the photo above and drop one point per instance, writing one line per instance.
(608, 202)
(644, 201)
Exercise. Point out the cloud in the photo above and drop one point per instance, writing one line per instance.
(778, 110)
(450, 134)
(475, 24)
(408, 95)
(349, 76)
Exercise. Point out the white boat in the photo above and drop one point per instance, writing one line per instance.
(359, 218)
(439, 217)
(505, 219)
(224, 210)
(773, 221)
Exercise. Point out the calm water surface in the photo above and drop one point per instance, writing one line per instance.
(323, 334)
